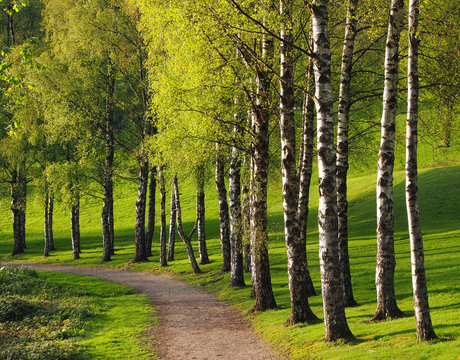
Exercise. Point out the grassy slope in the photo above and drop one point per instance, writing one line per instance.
(439, 194)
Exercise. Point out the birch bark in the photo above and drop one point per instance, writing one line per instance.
(200, 215)
(245, 190)
(46, 250)
(342, 150)
(140, 241)
(18, 246)
(22, 178)
(163, 254)
(236, 225)
(142, 249)
(424, 325)
(384, 279)
(172, 228)
(334, 312)
(260, 158)
(50, 220)
(75, 227)
(186, 239)
(107, 207)
(296, 251)
(151, 214)
(223, 212)
(306, 167)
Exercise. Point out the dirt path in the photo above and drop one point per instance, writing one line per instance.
(193, 325)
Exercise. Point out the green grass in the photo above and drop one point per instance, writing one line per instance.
(121, 317)
(439, 204)
(48, 315)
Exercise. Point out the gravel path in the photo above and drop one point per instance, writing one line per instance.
(193, 323)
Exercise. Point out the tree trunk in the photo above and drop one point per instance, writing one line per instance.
(334, 312)
(245, 187)
(106, 246)
(163, 261)
(107, 208)
(223, 212)
(75, 227)
(342, 151)
(151, 214)
(236, 233)
(46, 250)
(18, 246)
(172, 228)
(186, 239)
(141, 248)
(246, 228)
(306, 167)
(200, 212)
(111, 219)
(265, 299)
(50, 221)
(23, 203)
(424, 326)
(296, 251)
(384, 279)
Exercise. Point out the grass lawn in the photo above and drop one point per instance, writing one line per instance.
(52, 315)
(121, 317)
(440, 208)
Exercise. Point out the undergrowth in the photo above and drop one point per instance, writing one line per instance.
(37, 319)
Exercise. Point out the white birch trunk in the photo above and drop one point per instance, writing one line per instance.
(342, 151)
(384, 279)
(334, 313)
(296, 251)
(422, 309)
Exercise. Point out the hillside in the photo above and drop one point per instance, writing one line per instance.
(439, 194)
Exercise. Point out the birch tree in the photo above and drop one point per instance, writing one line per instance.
(334, 312)
(384, 279)
(424, 326)
(296, 250)
(236, 224)
(305, 168)
(186, 239)
(223, 210)
(163, 254)
(200, 215)
(342, 150)
(151, 215)
(172, 227)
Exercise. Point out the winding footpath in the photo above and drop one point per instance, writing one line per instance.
(194, 324)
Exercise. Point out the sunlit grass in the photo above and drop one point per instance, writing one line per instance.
(121, 317)
(439, 204)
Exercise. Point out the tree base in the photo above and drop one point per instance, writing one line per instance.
(345, 338)
(387, 314)
(237, 284)
(426, 335)
(307, 318)
(350, 303)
